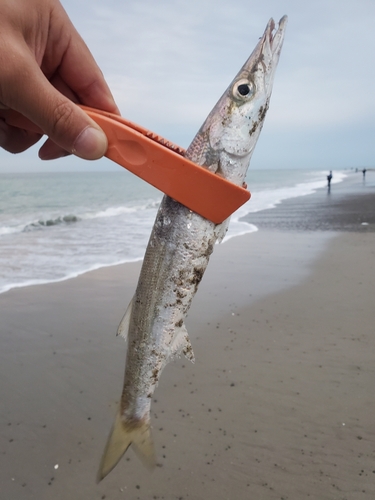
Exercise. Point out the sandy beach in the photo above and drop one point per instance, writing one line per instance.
(280, 404)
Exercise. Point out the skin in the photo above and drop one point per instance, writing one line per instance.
(45, 68)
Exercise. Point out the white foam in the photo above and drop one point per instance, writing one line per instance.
(9, 230)
(122, 210)
(269, 198)
(34, 282)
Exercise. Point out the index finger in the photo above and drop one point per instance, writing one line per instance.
(77, 67)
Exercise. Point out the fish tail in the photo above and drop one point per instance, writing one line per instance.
(124, 434)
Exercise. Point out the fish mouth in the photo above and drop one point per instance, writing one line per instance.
(267, 50)
(274, 39)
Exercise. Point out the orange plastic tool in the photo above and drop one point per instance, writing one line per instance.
(162, 164)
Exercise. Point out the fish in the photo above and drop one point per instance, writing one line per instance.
(179, 249)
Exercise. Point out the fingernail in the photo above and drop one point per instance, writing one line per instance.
(52, 155)
(91, 144)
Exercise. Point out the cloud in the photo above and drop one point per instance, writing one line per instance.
(168, 62)
(325, 77)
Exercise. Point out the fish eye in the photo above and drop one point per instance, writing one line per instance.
(243, 88)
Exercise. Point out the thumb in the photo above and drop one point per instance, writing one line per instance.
(90, 144)
(69, 128)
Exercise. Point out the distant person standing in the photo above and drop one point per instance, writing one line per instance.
(329, 179)
(364, 173)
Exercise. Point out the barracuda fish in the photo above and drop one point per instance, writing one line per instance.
(179, 248)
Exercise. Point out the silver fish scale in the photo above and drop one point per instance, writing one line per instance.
(176, 258)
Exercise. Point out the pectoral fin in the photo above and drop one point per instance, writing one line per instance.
(221, 230)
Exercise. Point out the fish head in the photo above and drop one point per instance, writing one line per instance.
(233, 126)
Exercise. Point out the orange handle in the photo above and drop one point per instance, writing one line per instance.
(192, 185)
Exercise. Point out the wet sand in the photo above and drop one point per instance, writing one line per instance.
(280, 403)
(347, 206)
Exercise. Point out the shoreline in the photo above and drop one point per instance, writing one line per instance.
(347, 206)
(248, 219)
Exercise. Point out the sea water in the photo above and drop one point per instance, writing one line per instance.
(55, 226)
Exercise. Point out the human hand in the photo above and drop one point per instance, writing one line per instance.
(45, 67)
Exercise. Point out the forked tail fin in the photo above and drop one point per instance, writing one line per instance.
(124, 434)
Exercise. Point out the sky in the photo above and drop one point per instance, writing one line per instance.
(167, 62)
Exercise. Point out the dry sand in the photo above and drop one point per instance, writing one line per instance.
(280, 403)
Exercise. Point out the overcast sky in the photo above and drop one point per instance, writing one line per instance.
(168, 61)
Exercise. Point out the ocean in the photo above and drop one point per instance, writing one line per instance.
(55, 226)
